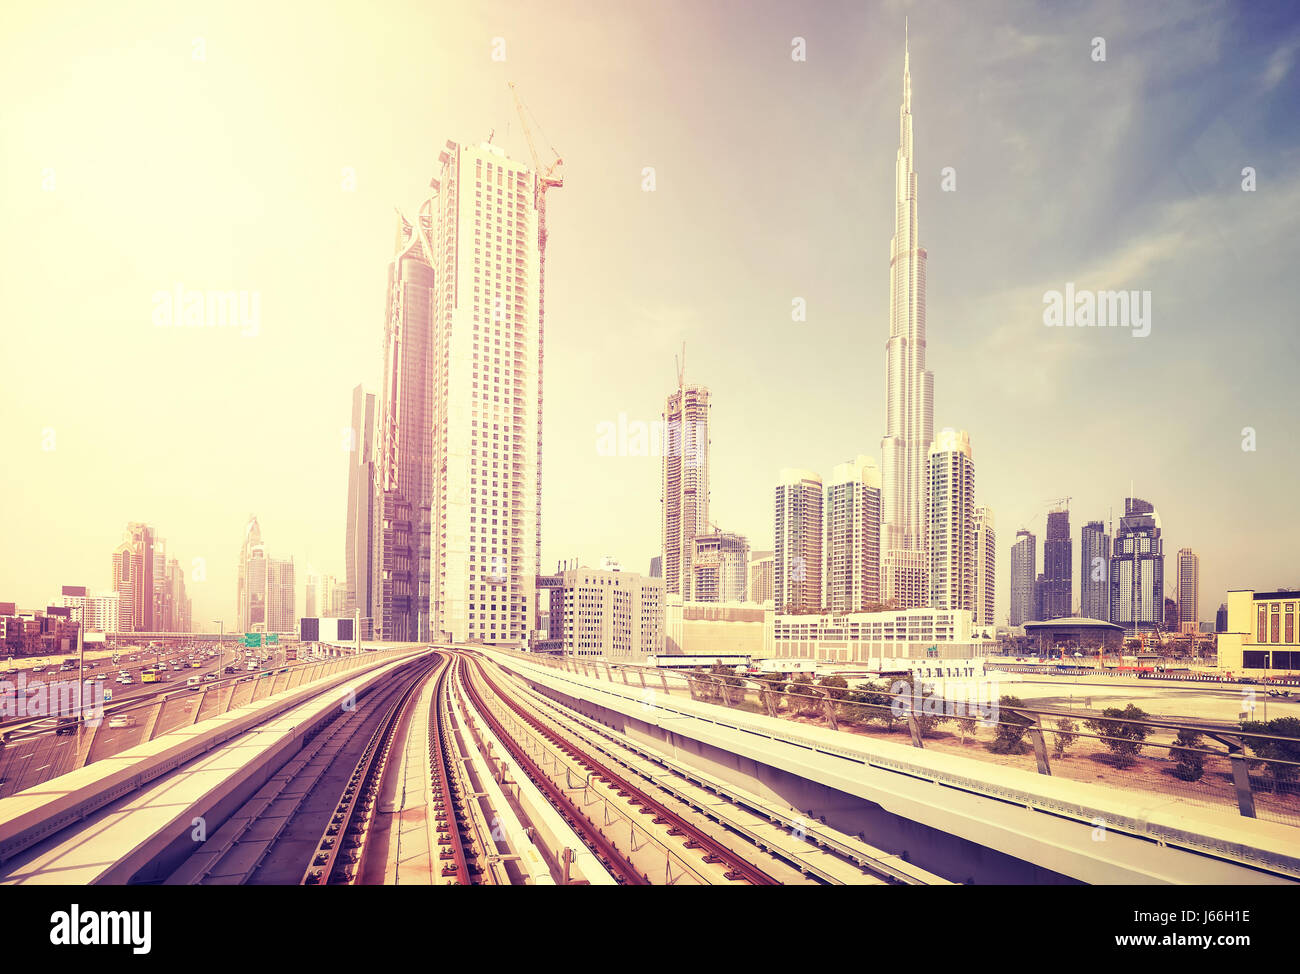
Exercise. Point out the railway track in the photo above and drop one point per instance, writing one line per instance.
(447, 801)
(342, 843)
(258, 832)
(737, 868)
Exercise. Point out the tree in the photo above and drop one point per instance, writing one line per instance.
(1065, 736)
(926, 721)
(966, 726)
(1190, 761)
(1011, 727)
(1277, 753)
(802, 694)
(1122, 738)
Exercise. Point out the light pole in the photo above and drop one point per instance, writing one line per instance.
(221, 647)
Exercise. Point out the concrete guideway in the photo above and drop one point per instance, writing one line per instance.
(1090, 833)
(812, 848)
(105, 822)
(535, 824)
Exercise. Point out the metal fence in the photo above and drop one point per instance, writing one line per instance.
(33, 752)
(1201, 764)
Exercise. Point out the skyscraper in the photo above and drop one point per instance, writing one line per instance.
(124, 585)
(761, 579)
(358, 535)
(909, 390)
(797, 562)
(720, 565)
(281, 596)
(685, 492)
(485, 398)
(403, 452)
(1058, 562)
(252, 579)
(1137, 569)
(133, 578)
(986, 560)
(1189, 590)
(951, 522)
(852, 543)
(1024, 571)
(1094, 572)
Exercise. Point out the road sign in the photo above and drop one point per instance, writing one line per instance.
(272, 637)
(252, 639)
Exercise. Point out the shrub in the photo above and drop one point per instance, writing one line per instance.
(1011, 727)
(1190, 764)
(1123, 739)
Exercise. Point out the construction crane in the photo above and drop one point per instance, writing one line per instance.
(1059, 503)
(542, 181)
(546, 178)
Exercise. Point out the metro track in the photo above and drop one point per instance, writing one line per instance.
(737, 867)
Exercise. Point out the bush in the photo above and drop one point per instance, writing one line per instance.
(1011, 727)
(1190, 764)
(1065, 736)
(925, 722)
(1276, 751)
(1124, 740)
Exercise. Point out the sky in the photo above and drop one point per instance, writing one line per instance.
(251, 148)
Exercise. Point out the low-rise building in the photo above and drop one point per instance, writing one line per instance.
(717, 629)
(1262, 638)
(859, 637)
(613, 615)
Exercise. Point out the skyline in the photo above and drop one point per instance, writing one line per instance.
(595, 373)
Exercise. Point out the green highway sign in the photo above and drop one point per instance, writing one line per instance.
(252, 639)
(272, 637)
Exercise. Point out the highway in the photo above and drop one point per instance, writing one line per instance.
(30, 754)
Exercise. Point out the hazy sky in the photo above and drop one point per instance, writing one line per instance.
(209, 146)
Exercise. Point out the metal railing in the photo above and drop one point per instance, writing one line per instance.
(1212, 765)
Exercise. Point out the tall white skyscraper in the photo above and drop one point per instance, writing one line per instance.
(1189, 590)
(851, 547)
(797, 564)
(685, 490)
(986, 562)
(486, 391)
(281, 596)
(909, 391)
(952, 522)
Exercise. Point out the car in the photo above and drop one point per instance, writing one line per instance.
(176, 666)
(1275, 692)
(126, 681)
(102, 676)
(38, 669)
(251, 667)
(230, 669)
(209, 677)
(120, 721)
(194, 681)
(66, 725)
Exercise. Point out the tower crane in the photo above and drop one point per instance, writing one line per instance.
(542, 181)
(546, 178)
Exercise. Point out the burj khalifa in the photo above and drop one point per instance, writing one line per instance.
(909, 394)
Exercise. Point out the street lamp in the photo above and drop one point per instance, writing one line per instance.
(221, 646)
